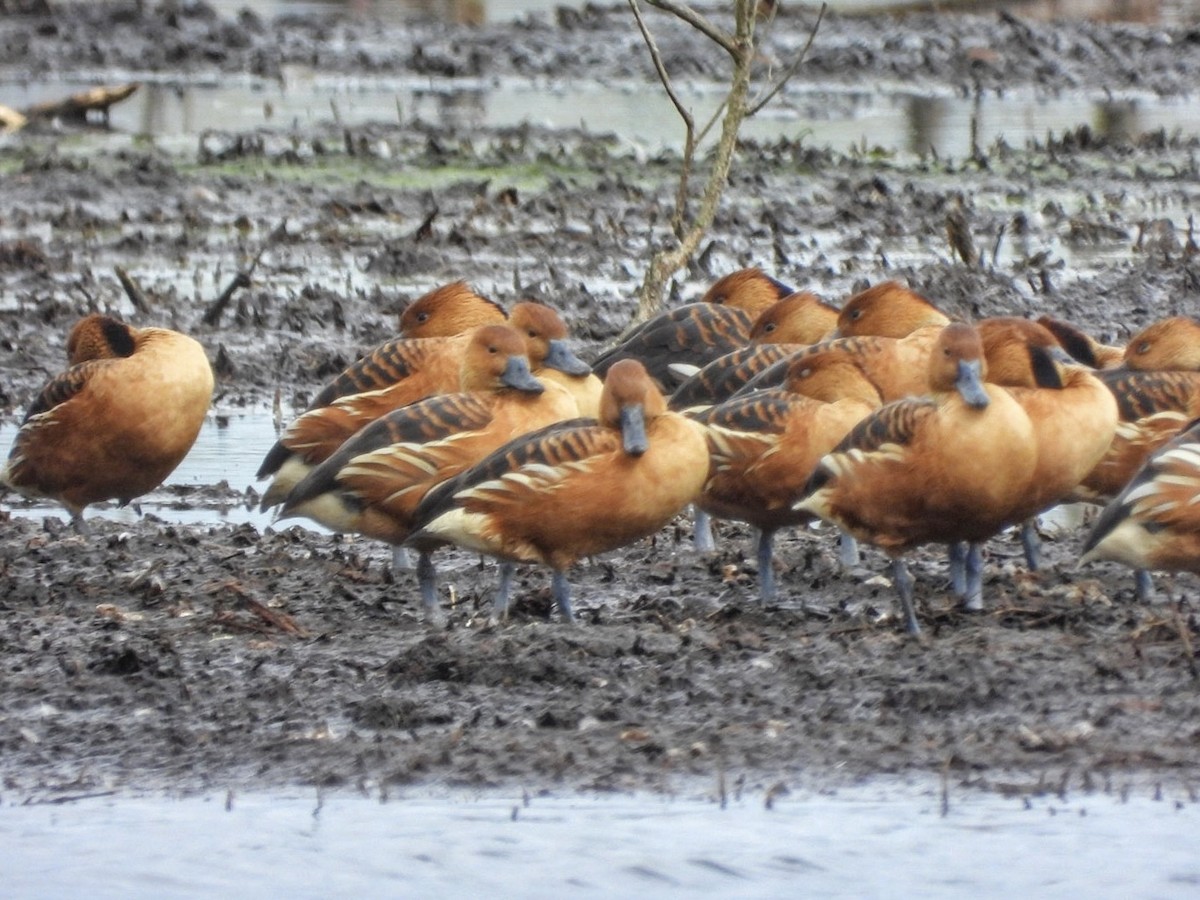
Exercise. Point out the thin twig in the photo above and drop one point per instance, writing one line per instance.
(660, 68)
(689, 125)
(701, 24)
(792, 69)
(716, 117)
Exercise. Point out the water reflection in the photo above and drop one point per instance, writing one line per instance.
(926, 119)
(1119, 120)
(458, 12)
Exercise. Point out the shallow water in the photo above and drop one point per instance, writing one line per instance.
(229, 449)
(878, 840)
(893, 119)
(1166, 11)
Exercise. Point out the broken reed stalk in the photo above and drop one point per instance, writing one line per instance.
(242, 279)
(132, 290)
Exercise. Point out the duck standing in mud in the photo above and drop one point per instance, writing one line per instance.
(573, 490)
(115, 423)
(947, 467)
(374, 482)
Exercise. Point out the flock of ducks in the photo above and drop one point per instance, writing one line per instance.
(480, 428)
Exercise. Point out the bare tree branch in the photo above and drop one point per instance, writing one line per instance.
(665, 262)
(689, 140)
(716, 117)
(792, 69)
(688, 231)
(701, 24)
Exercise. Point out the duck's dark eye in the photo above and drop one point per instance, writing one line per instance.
(532, 333)
(1143, 347)
(770, 326)
(423, 317)
(855, 314)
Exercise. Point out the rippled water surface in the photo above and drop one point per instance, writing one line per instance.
(867, 842)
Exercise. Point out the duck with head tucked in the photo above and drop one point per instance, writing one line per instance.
(574, 490)
(374, 481)
(1073, 413)
(947, 467)
(1081, 346)
(117, 422)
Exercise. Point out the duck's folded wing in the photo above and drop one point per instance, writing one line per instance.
(63, 386)
(884, 433)
(540, 455)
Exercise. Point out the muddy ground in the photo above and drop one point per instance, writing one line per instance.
(179, 658)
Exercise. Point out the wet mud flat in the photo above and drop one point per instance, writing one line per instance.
(176, 658)
(168, 657)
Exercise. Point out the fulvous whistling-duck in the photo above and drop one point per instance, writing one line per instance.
(98, 337)
(697, 333)
(552, 360)
(575, 490)
(398, 373)
(115, 424)
(765, 446)
(947, 468)
(1082, 346)
(897, 366)
(798, 320)
(877, 318)
(1073, 424)
(374, 481)
(1168, 344)
(444, 316)
(1154, 523)
(449, 310)
(1027, 358)
(1009, 345)
(1152, 408)
(888, 309)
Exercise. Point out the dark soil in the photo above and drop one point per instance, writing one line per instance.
(168, 657)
